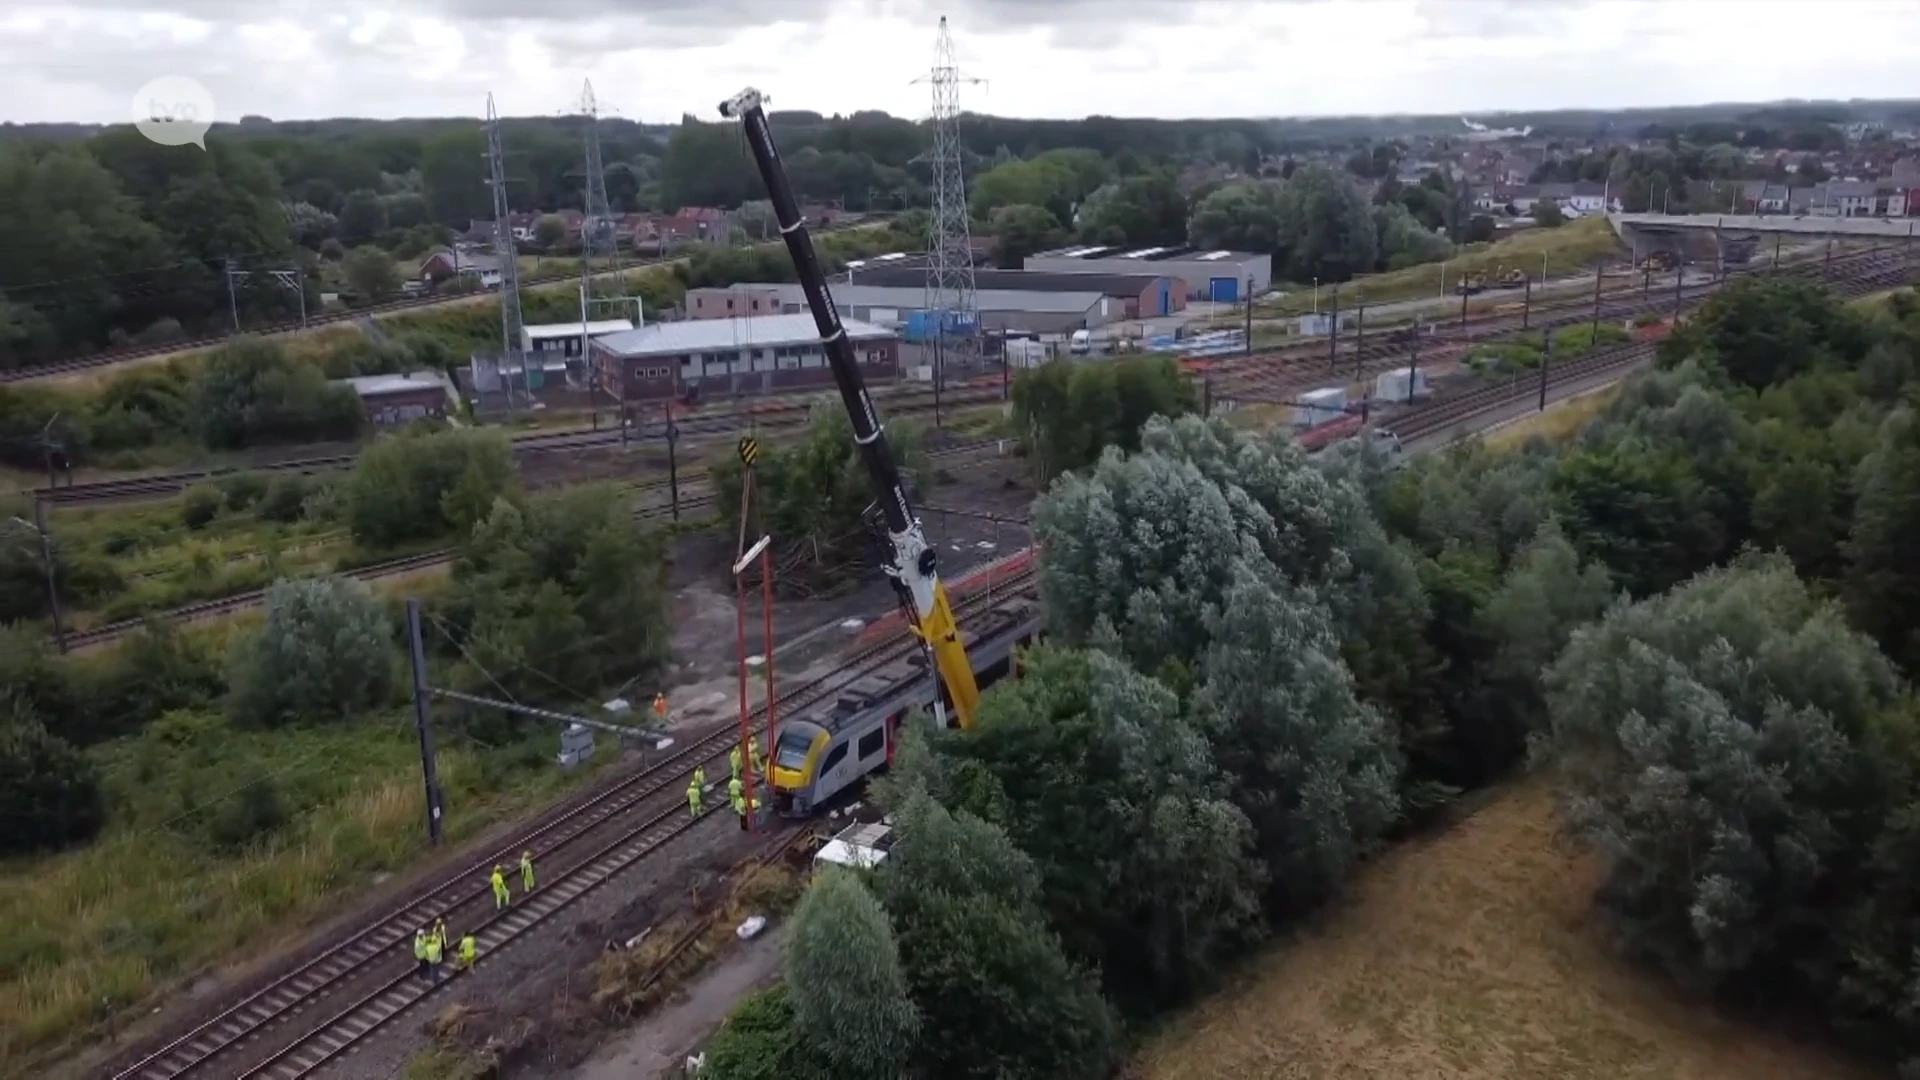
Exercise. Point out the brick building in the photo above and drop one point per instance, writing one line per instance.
(703, 358)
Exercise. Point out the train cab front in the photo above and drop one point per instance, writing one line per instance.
(796, 764)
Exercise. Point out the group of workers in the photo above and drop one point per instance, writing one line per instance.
(430, 949)
(736, 788)
(430, 943)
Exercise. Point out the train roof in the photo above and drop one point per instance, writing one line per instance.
(904, 683)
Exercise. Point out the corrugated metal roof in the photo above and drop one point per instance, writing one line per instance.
(710, 335)
(1020, 280)
(549, 331)
(373, 385)
(914, 298)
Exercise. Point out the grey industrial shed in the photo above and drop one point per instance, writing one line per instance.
(1210, 274)
(1000, 309)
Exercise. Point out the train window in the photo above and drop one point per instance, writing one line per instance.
(872, 743)
(834, 757)
(792, 751)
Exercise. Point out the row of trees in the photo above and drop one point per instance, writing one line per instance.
(553, 599)
(1319, 225)
(1262, 665)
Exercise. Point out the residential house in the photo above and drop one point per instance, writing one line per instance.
(1763, 197)
(691, 225)
(444, 264)
(1850, 198)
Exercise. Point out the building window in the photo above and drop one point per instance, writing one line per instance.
(729, 303)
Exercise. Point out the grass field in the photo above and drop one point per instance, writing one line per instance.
(200, 868)
(1471, 954)
(1570, 249)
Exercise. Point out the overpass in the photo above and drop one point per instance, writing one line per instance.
(1732, 238)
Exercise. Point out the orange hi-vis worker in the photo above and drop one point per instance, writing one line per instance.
(660, 706)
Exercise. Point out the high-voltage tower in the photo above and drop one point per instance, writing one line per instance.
(950, 291)
(603, 287)
(513, 355)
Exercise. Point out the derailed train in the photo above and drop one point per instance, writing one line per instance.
(821, 752)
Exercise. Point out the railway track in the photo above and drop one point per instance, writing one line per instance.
(334, 318)
(310, 1015)
(1295, 371)
(696, 430)
(696, 497)
(785, 415)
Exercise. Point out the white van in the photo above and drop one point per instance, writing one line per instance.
(1081, 343)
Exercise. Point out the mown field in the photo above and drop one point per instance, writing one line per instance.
(1472, 954)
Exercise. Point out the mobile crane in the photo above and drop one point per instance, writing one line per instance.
(912, 566)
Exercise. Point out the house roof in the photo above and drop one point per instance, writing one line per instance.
(463, 260)
(549, 331)
(1127, 285)
(712, 335)
(405, 382)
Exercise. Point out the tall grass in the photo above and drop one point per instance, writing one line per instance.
(112, 928)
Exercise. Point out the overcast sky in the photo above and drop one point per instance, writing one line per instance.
(655, 59)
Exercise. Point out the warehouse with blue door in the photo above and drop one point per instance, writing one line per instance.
(1211, 274)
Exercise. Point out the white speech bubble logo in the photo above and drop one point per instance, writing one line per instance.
(174, 110)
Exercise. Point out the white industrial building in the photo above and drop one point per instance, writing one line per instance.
(563, 339)
(1032, 311)
(1221, 276)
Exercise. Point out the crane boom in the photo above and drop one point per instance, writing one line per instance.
(913, 565)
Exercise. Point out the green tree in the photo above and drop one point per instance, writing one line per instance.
(1723, 748)
(1328, 226)
(1069, 413)
(1547, 214)
(453, 174)
(760, 1041)
(996, 995)
(325, 649)
(1142, 209)
(250, 392)
(854, 1010)
(50, 794)
(1882, 580)
(372, 274)
(549, 232)
(363, 216)
(811, 496)
(429, 485)
(1313, 768)
(559, 597)
(1050, 184)
(1241, 217)
(1021, 229)
(1098, 773)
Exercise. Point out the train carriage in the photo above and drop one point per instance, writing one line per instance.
(822, 752)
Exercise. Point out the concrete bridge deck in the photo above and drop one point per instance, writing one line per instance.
(1813, 226)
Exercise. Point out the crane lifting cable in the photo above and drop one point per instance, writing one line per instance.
(912, 566)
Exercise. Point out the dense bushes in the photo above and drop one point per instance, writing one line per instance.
(427, 486)
(324, 650)
(49, 793)
(562, 594)
(1066, 413)
(251, 393)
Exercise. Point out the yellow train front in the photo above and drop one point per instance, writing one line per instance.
(825, 751)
